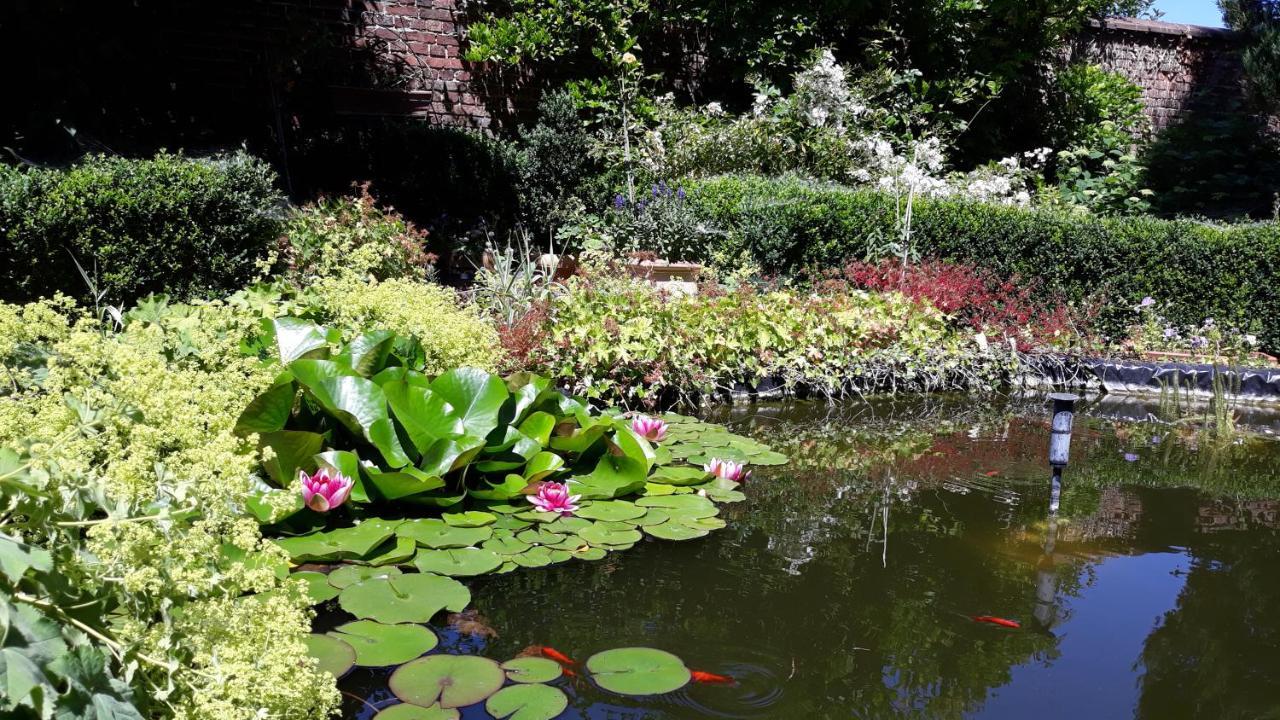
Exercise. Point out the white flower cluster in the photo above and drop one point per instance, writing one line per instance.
(822, 94)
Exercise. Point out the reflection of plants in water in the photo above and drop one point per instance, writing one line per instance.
(1216, 420)
(1242, 465)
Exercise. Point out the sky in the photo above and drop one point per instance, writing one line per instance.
(1191, 12)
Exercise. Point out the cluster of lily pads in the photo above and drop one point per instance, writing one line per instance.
(409, 482)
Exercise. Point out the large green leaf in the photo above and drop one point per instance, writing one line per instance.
(448, 680)
(380, 645)
(539, 426)
(403, 483)
(341, 544)
(16, 558)
(613, 476)
(334, 656)
(579, 440)
(511, 486)
(293, 450)
(457, 562)
(296, 338)
(532, 670)
(438, 534)
(269, 411)
(424, 415)
(528, 391)
(542, 465)
(476, 396)
(527, 702)
(679, 475)
(367, 353)
(638, 671)
(413, 598)
(448, 454)
(354, 401)
(634, 446)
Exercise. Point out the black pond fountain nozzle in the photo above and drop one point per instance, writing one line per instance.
(1064, 410)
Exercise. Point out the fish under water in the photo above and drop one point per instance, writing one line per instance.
(471, 622)
(554, 654)
(706, 678)
(1002, 622)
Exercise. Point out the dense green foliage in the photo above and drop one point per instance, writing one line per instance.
(1199, 270)
(187, 227)
(626, 341)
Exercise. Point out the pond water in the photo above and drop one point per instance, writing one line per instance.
(846, 586)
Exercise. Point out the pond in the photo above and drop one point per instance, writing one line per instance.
(880, 574)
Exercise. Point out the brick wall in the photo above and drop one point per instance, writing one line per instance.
(1182, 69)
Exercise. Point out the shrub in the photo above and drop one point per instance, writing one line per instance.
(1199, 270)
(188, 227)
(626, 341)
(555, 170)
(352, 235)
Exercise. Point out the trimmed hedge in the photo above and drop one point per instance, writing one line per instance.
(1228, 272)
(185, 227)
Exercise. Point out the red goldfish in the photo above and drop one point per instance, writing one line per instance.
(707, 678)
(997, 621)
(556, 655)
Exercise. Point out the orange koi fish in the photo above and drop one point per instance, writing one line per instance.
(556, 655)
(997, 621)
(707, 678)
(991, 473)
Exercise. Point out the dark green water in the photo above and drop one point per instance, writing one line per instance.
(846, 584)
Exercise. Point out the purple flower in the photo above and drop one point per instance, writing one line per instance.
(619, 202)
(1147, 301)
(1130, 457)
(641, 205)
(679, 193)
(1170, 333)
(1199, 341)
(655, 191)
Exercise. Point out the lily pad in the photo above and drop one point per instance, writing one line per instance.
(602, 534)
(532, 670)
(433, 533)
(393, 552)
(655, 516)
(318, 587)
(379, 645)
(409, 711)
(527, 702)
(449, 680)
(341, 544)
(533, 557)
(411, 598)
(591, 553)
(505, 545)
(333, 655)
(611, 510)
(469, 519)
(693, 506)
(769, 458)
(348, 575)
(457, 562)
(672, 475)
(638, 671)
(673, 530)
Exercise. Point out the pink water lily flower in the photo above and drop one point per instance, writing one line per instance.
(555, 497)
(325, 490)
(727, 469)
(651, 429)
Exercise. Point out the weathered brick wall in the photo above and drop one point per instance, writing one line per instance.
(1182, 69)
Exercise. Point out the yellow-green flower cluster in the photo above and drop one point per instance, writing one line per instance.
(144, 417)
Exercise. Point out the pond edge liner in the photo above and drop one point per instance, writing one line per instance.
(1190, 381)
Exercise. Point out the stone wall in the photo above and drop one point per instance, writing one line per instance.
(1182, 69)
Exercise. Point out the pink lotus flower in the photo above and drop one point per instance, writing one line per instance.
(555, 497)
(325, 490)
(728, 469)
(651, 429)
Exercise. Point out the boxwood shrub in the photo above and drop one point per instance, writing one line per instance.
(1227, 272)
(183, 226)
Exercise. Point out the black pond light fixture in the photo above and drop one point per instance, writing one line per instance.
(1064, 411)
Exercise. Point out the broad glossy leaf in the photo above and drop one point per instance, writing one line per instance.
(296, 338)
(333, 655)
(457, 562)
(510, 487)
(293, 450)
(366, 354)
(425, 416)
(539, 426)
(354, 401)
(579, 440)
(411, 598)
(269, 411)
(532, 670)
(318, 587)
(437, 534)
(471, 518)
(528, 391)
(379, 645)
(612, 477)
(341, 544)
(349, 575)
(679, 475)
(347, 463)
(611, 510)
(392, 552)
(448, 680)
(405, 482)
(448, 454)
(634, 446)
(476, 396)
(542, 465)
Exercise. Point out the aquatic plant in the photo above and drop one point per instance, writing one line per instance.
(555, 497)
(727, 469)
(651, 429)
(324, 490)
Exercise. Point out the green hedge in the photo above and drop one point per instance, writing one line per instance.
(1228, 272)
(182, 226)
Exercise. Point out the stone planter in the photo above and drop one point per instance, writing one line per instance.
(675, 277)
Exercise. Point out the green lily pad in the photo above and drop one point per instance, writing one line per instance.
(611, 510)
(567, 525)
(538, 516)
(333, 655)
(769, 458)
(318, 587)
(404, 598)
(659, 489)
(379, 645)
(688, 505)
(533, 557)
(672, 475)
(458, 562)
(539, 536)
(655, 516)
(591, 553)
(450, 680)
(409, 711)
(527, 702)
(506, 567)
(601, 534)
(433, 533)
(341, 544)
(393, 552)
(509, 522)
(638, 671)
(673, 530)
(505, 545)
(532, 670)
(348, 575)
(469, 519)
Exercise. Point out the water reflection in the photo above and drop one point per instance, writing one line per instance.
(847, 584)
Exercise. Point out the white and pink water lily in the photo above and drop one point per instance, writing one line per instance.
(727, 469)
(651, 429)
(325, 490)
(555, 497)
